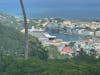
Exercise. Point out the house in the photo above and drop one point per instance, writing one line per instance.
(66, 50)
(98, 33)
(65, 23)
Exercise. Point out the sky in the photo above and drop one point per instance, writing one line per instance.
(41, 7)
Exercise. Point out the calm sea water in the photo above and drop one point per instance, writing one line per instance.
(71, 9)
(66, 37)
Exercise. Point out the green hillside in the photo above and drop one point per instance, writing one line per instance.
(11, 40)
(12, 43)
(12, 21)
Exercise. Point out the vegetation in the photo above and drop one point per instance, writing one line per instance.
(11, 21)
(35, 66)
(53, 53)
(11, 40)
(41, 62)
(12, 43)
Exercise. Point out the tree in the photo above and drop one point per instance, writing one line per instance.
(26, 30)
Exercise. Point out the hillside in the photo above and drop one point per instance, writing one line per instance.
(12, 43)
(10, 39)
(12, 21)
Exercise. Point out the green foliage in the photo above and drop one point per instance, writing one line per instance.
(11, 40)
(71, 43)
(34, 66)
(12, 43)
(11, 21)
(82, 57)
(54, 53)
(37, 49)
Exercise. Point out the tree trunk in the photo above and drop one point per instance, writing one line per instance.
(94, 36)
(26, 30)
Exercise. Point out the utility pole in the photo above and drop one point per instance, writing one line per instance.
(26, 30)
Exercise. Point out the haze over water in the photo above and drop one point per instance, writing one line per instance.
(72, 9)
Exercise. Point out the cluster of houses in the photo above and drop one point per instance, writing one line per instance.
(67, 27)
(63, 46)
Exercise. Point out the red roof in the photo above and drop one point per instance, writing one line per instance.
(67, 49)
(52, 41)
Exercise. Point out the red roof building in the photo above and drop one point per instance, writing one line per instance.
(66, 50)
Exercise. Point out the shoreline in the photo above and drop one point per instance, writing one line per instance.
(65, 18)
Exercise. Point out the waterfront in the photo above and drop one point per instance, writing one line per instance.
(66, 37)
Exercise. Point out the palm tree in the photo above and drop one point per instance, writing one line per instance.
(26, 30)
